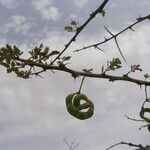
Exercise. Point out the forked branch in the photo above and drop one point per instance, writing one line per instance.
(79, 29)
(114, 36)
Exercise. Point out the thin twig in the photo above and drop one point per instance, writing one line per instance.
(79, 29)
(81, 84)
(133, 118)
(71, 146)
(119, 49)
(144, 126)
(75, 73)
(129, 144)
(130, 27)
(146, 93)
(114, 36)
(113, 146)
(38, 73)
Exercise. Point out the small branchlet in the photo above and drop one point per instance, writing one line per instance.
(112, 65)
(74, 25)
(133, 119)
(62, 62)
(80, 28)
(87, 70)
(146, 76)
(71, 145)
(41, 54)
(139, 146)
(145, 110)
(133, 69)
(142, 114)
(103, 13)
(144, 126)
(10, 58)
(114, 36)
(116, 42)
(139, 19)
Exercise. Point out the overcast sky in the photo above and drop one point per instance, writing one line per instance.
(33, 115)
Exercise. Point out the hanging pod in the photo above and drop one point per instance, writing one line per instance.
(77, 109)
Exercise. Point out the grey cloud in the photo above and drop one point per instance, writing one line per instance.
(80, 3)
(16, 24)
(33, 113)
(47, 10)
(11, 4)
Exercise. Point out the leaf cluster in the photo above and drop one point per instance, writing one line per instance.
(63, 61)
(41, 54)
(9, 59)
(112, 65)
(135, 68)
(72, 27)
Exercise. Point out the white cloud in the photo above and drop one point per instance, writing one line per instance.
(135, 44)
(145, 2)
(40, 4)
(35, 108)
(51, 13)
(80, 3)
(46, 9)
(16, 24)
(9, 3)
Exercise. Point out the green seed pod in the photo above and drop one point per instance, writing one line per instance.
(142, 112)
(76, 109)
(148, 127)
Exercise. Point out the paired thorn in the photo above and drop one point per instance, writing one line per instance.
(116, 42)
(96, 47)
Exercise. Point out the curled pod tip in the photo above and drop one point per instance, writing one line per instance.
(148, 127)
(76, 109)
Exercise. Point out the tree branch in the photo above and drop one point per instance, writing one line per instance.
(79, 29)
(129, 144)
(75, 73)
(140, 19)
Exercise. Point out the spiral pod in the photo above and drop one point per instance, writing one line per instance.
(148, 127)
(142, 114)
(75, 108)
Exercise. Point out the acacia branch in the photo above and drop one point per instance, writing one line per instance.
(79, 29)
(133, 119)
(140, 146)
(75, 73)
(116, 42)
(130, 27)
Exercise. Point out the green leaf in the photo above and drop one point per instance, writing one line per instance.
(17, 51)
(5, 64)
(55, 52)
(148, 127)
(146, 76)
(115, 64)
(22, 73)
(103, 13)
(41, 46)
(135, 67)
(69, 28)
(9, 70)
(46, 50)
(66, 58)
(73, 23)
(8, 47)
(102, 69)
